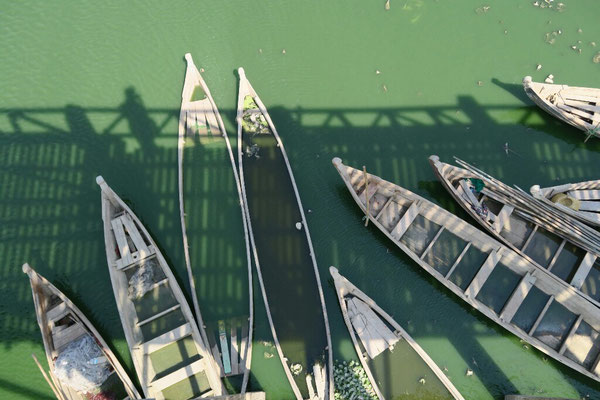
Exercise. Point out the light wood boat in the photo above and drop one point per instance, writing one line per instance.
(379, 340)
(577, 106)
(170, 357)
(200, 121)
(283, 252)
(553, 241)
(580, 200)
(62, 324)
(507, 288)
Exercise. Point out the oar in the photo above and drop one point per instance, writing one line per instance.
(58, 396)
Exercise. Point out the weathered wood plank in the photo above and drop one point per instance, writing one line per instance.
(430, 245)
(119, 233)
(166, 339)
(483, 274)
(583, 270)
(541, 316)
(234, 358)
(517, 297)
(590, 206)
(569, 337)
(503, 217)
(458, 260)
(135, 236)
(585, 194)
(405, 221)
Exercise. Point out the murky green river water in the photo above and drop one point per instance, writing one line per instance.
(94, 88)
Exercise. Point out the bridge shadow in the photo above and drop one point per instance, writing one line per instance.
(50, 214)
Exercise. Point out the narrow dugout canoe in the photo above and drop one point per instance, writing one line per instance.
(383, 345)
(283, 252)
(65, 329)
(540, 234)
(170, 357)
(580, 200)
(211, 182)
(577, 106)
(507, 288)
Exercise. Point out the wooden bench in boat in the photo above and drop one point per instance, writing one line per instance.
(585, 194)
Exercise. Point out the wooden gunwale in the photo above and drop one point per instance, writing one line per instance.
(246, 89)
(192, 79)
(545, 194)
(345, 288)
(534, 91)
(566, 295)
(447, 174)
(144, 368)
(38, 284)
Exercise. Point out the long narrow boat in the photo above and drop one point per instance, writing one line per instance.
(541, 234)
(170, 357)
(283, 252)
(66, 332)
(212, 183)
(580, 200)
(577, 106)
(385, 349)
(507, 288)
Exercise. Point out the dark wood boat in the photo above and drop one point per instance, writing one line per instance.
(283, 252)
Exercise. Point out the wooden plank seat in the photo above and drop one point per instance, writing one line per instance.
(585, 194)
(503, 217)
(166, 339)
(405, 221)
(593, 206)
(178, 375)
(517, 297)
(57, 312)
(583, 270)
(590, 215)
(158, 315)
(375, 336)
(483, 274)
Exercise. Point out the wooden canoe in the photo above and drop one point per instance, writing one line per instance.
(541, 234)
(375, 335)
(505, 287)
(577, 106)
(62, 323)
(283, 252)
(170, 357)
(580, 200)
(229, 332)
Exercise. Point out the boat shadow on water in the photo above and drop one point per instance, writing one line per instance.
(50, 214)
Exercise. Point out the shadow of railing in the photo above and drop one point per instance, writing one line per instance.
(50, 204)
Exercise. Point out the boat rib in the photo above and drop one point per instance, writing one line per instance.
(504, 286)
(374, 334)
(61, 324)
(200, 119)
(580, 200)
(283, 254)
(554, 242)
(170, 357)
(577, 106)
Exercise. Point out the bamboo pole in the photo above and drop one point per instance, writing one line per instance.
(366, 191)
(58, 396)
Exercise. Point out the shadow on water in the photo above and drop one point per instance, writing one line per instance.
(50, 206)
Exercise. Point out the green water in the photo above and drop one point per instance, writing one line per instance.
(95, 88)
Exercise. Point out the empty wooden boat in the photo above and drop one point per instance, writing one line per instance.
(506, 287)
(283, 252)
(385, 348)
(577, 106)
(170, 357)
(211, 182)
(81, 363)
(580, 200)
(544, 236)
